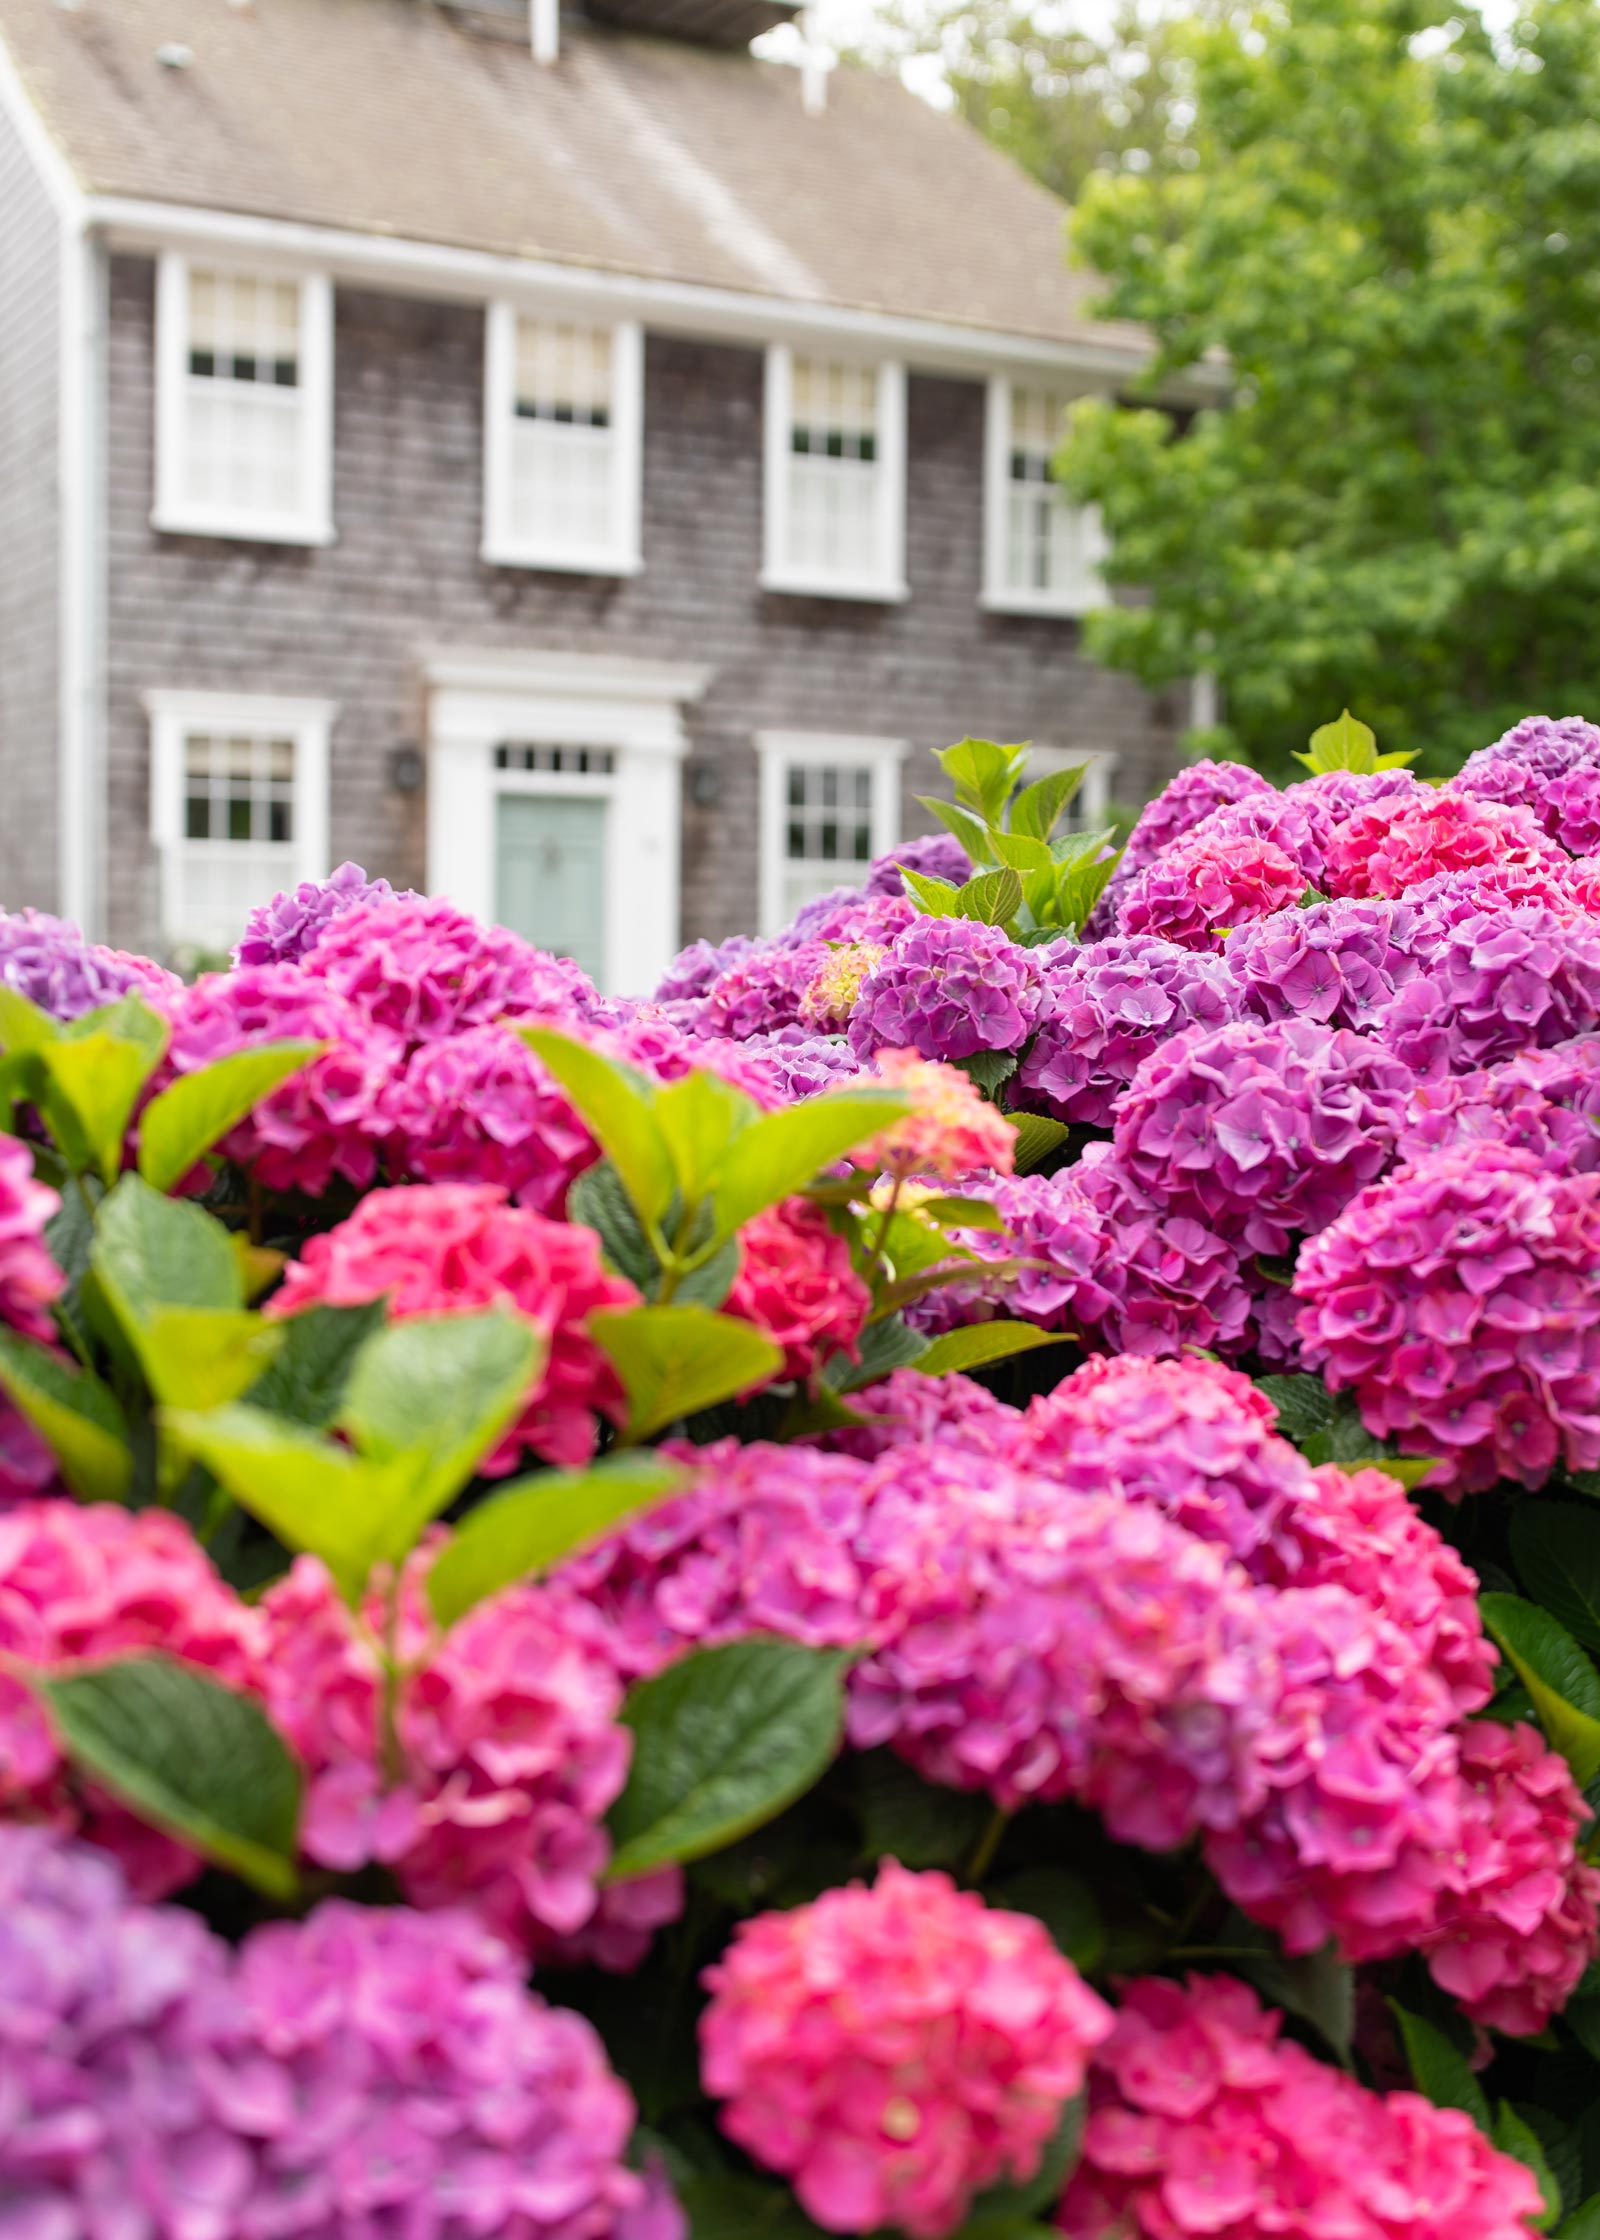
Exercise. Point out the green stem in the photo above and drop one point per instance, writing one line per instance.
(987, 1845)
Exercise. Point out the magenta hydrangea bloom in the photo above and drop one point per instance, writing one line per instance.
(1198, 891)
(1460, 1300)
(908, 1409)
(693, 969)
(457, 1248)
(1572, 810)
(481, 1107)
(762, 991)
(1544, 1102)
(49, 961)
(1339, 963)
(282, 930)
(1204, 2124)
(894, 2051)
(1300, 824)
(1395, 845)
(80, 1583)
(423, 969)
(797, 1285)
(1186, 801)
(1340, 793)
(29, 1278)
(324, 1121)
(652, 1043)
(937, 855)
(1261, 1131)
(1551, 768)
(1498, 982)
(1521, 1922)
(1106, 1006)
(948, 988)
(849, 915)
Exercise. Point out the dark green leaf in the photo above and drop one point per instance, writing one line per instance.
(1305, 1405)
(988, 1069)
(999, 2211)
(599, 1200)
(1037, 1138)
(991, 896)
(1556, 1546)
(1515, 2137)
(674, 1360)
(1066, 1905)
(723, 1741)
(976, 1344)
(188, 1755)
(1562, 1682)
(722, 2206)
(306, 1382)
(1440, 2073)
(906, 1818)
(890, 1343)
(1316, 1986)
(530, 1525)
(1584, 2222)
(178, 1127)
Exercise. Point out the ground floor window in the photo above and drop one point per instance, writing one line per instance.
(828, 806)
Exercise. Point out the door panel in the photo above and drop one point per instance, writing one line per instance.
(550, 874)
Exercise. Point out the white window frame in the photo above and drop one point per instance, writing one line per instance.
(999, 595)
(621, 553)
(175, 717)
(779, 751)
(176, 511)
(888, 582)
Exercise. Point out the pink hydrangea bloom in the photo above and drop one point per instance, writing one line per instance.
(1457, 1299)
(29, 1278)
(1107, 1006)
(481, 1107)
(1500, 981)
(831, 996)
(1522, 1920)
(948, 988)
(422, 969)
(763, 990)
(652, 1044)
(950, 1133)
(457, 1248)
(1298, 823)
(85, 1584)
(851, 914)
(908, 1409)
(1340, 793)
(1337, 962)
(797, 1285)
(1263, 1132)
(894, 2051)
(324, 1121)
(1204, 2124)
(1544, 1102)
(1394, 845)
(282, 930)
(1197, 891)
(489, 1788)
(1186, 801)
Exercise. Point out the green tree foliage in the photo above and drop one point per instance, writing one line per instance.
(1391, 232)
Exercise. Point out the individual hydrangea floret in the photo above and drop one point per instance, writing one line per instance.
(937, 855)
(1261, 1131)
(950, 1131)
(1339, 963)
(1395, 845)
(948, 988)
(1205, 2124)
(894, 2051)
(1198, 891)
(79, 1583)
(457, 1248)
(326, 1120)
(50, 962)
(423, 969)
(797, 1285)
(1498, 982)
(1106, 1006)
(482, 1107)
(282, 930)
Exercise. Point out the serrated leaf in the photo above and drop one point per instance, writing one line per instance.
(1556, 1547)
(989, 1069)
(150, 1252)
(522, 1530)
(1022, 852)
(1562, 1682)
(617, 1105)
(724, 1740)
(977, 1344)
(1037, 1137)
(178, 1127)
(1344, 744)
(889, 1343)
(1439, 2071)
(961, 824)
(95, 1080)
(187, 1755)
(77, 1417)
(1305, 1405)
(991, 897)
(982, 772)
(1037, 806)
(315, 1496)
(935, 898)
(306, 1382)
(780, 1153)
(674, 1360)
(1080, 885)
(1515, 2137)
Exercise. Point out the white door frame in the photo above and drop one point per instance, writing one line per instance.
(479, 701)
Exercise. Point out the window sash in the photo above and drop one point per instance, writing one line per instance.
(562, 410)
(835, 477)
(828, 806)
(1042, 551)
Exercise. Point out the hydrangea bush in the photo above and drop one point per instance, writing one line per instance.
(941, 1580)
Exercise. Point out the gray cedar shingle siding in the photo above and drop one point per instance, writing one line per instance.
(29, 529)
(348, 622)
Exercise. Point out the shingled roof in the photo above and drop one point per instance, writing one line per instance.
(641, 156)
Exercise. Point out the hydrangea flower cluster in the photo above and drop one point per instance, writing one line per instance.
(693, 969)
(456, 1248)
(50, 962)
(1206, 2124)
(1299, 824)
(894, 2051)
(950, 1132)
(1498, 982)
(423, 970)
(1458, 1300)
(948, 988)
(797, 1285)
(1186, 801)
(282, 930)
(1551, 768)
(797, 1065)
(1394, 845)
(29, 1278)
(1544, 1102)
(939, 855)
(1199, 890)
(1339, 963)
(1340, 793)
(481, 1107)
(834, 988)
(1107, 1006)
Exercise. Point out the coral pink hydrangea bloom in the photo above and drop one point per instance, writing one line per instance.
(949, 1133)
(1460, 1299)
(83, 1584)
(797, 1285)
(893, 2051)
(481, 1107)
(456, 1248)
(831, 993)
(1199, 890)
(422, 969)
(1206, 2125)
(1394, 845)
(29, 1278)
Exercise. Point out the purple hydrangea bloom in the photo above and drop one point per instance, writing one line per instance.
(282, 930)
(948, 988)
(1545, 1102)
(1340, 793)
(1521, 765)
(938, 855)
(1263, 1132)
(800, 1064)
(847, 916)
(692, 970)
(1106, 1007)
(1572, 810)
(49, 962)
(1499, 981)
(1337, 962)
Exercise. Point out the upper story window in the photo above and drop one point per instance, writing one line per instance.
(562, 448)
(238, 806)
(1042, 552)
(828, 806)
(244, 389)
(835, 477)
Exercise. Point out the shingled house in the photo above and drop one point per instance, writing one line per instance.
(574, 467)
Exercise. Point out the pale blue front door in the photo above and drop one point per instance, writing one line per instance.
(550, 874)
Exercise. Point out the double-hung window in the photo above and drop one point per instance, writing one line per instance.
(835, 477)
(828, 806)
(562, 447)
(244, 403)
(238, 806)
(1042, 552)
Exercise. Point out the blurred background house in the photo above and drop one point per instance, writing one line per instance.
(571, 465)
